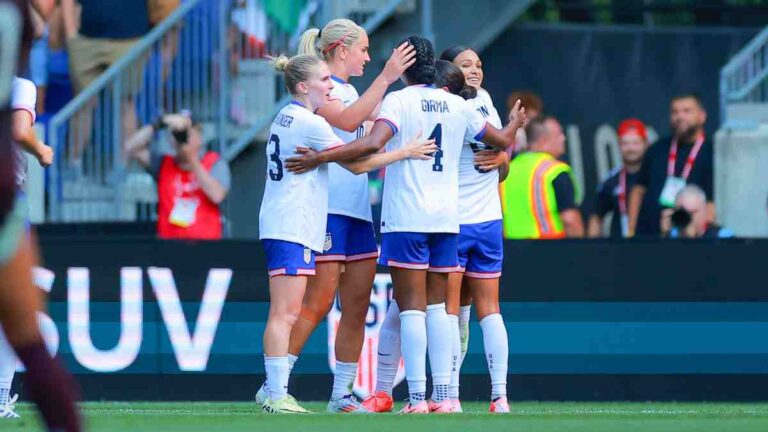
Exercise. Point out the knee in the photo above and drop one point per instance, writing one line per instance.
(485, 308)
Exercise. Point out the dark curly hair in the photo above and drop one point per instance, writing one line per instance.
(423, 70)
(451, 77)
(451, 53)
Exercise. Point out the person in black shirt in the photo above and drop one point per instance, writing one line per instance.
(613, 193)
(688, 219)
(684, 158)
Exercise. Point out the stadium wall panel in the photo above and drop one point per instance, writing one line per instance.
(587, 320)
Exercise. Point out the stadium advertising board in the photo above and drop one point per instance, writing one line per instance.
(149, 311)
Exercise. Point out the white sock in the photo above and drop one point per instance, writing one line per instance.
(413, 334)
(440, 347)
(278, 370)
(496, 353)
(464, 330)
(388, 358)
(453, 391)
(7, 367)
(343, 379)
(291, 361)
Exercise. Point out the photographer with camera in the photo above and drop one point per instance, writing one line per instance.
(688, 219)
(191, 184)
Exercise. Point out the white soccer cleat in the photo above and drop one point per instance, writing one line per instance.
(7, 411)
(347, 405)
(262, 394)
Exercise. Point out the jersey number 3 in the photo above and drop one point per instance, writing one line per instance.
(437, 135)
(275, 174)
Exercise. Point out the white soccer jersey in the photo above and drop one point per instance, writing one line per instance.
(422, 195)
(295, 207)
(348, 191)
(23, 97)
(479, 189)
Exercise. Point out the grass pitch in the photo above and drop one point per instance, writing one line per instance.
(525, 417)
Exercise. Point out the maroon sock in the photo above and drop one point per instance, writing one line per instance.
(51, 388)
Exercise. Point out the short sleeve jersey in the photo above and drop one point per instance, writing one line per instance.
(479, 189)
(23, 97)
(295, 206)
(422, 195)
(348, 191)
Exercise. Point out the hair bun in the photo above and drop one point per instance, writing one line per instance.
(281, 63)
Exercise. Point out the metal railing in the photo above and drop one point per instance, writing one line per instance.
(744, 79)
(205, 57)
(281, 98)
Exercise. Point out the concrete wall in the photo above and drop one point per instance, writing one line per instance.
(741, 180)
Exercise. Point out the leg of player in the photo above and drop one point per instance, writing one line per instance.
(439, 342)
(7, 371)
(452, 303)
(50, 387)
(486, 295)
(317, 302)
(285, 296)
(355, 291)
(411, 294)
(387, 362)
(464, 310)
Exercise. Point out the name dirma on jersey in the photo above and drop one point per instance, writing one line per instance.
(422, 195)
(348, 191)
(295, 206)
(479, 189)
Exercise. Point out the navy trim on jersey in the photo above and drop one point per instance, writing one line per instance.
(338, 80)
(481, 134)
(390, 124)
(298, 103)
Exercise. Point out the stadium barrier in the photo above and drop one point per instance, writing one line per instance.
(141, 319)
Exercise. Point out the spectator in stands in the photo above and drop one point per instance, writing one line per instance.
(684, 158)
(539, 198)
(688, 219)
(533, 108)
(38, 59)
(106, 31)
(191, 185)
(613, 193)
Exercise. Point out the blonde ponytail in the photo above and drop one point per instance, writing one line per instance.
(308, 43)
(323, 43)
(296, 69)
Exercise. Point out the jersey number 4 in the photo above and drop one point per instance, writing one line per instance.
(275, 174)
(437, 135)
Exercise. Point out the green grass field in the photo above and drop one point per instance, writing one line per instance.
(525, 417)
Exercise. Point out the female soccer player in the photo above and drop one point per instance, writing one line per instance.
(348, 257)
(481, 247)
(294, 208)
(49, 386)
(451, 79)
(420, 221)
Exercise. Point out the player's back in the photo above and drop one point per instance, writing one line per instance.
(422, 195)
(295, 207)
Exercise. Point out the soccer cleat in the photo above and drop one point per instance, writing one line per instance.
(284, 405)
(499, 405)
(346, 405)
(378, 402)
(7, 411)
(262, 394)
(457, 406)
(420, 407)
(444, 407)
